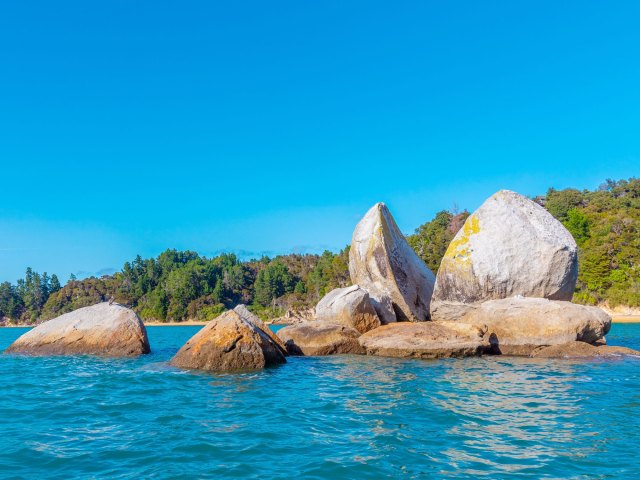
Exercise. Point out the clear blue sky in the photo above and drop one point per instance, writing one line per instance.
(129, 127)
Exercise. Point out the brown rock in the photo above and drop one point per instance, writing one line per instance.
(582, 350)
(320, 339)
(253, 319)
(350, 307)
(102, 329)
(517, 326)
(425, 340)
(294, 317)
(229, 343)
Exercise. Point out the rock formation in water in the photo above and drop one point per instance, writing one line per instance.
(315, 338)
(350, 307)
(509, 246)
(425, 340)
(253, 319)
(229, 343)
(294, 317)
(382, 263)
(582, 350)
(104, 329)
(517, 326)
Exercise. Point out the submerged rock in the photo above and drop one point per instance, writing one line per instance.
(582, 350)
(229, 343)
(425, 340)
(104, 329)
(517, 326)
(382, 263)
(316, 338)
(253, 319)
(350, 307)
(509, 246)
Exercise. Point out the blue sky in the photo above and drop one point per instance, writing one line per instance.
(269, 127)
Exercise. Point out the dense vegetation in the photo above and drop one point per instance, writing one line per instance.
(606, 226)
(178, 286)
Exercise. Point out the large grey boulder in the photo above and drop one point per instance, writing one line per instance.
(425, 340)
(382, 263)
(104, 329)
(350, 306)
(509, 246)
(314, 338)
(517, 326)
(229, 343)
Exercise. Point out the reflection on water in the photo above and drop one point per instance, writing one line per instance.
(521, 410)
(334, 417)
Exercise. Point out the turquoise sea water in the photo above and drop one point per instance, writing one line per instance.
(332, 417)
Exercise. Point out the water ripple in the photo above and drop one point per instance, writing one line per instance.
(334, 417)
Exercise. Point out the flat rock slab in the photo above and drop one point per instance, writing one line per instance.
(425, 340)
(583, 350)
(229, 343)
(382, 263)
(517, 326)
(109, 330)
(350, 306)
(317, 338)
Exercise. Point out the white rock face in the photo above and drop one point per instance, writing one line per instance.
(102, 329)
(349, 306)
(509, 246)
(382, 263)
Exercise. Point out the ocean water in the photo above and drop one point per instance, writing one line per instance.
(332, 417)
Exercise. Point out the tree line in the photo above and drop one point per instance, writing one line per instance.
(177, 286)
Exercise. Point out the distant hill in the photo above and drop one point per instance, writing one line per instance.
(177, 286)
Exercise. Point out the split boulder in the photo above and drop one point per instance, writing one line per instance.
(229, 343)
(509, 246)
(382, 263)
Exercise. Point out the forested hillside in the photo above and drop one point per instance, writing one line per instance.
(178, 286)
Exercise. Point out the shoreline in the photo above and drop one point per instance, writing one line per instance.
(614, 318)
(625, 318)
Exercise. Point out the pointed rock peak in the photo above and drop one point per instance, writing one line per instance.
(382, 263)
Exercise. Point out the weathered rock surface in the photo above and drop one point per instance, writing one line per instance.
(229, 343)
(350, 307)
(294, 317)
(253, 319)
(509, 246)
(315, 338)
(382, 263)
(102, 329)
(582, 350)
(517, 326)
(425, 340)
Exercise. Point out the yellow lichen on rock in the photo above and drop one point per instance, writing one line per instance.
(458, 250)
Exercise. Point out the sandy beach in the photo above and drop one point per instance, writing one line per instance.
(626, 318)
